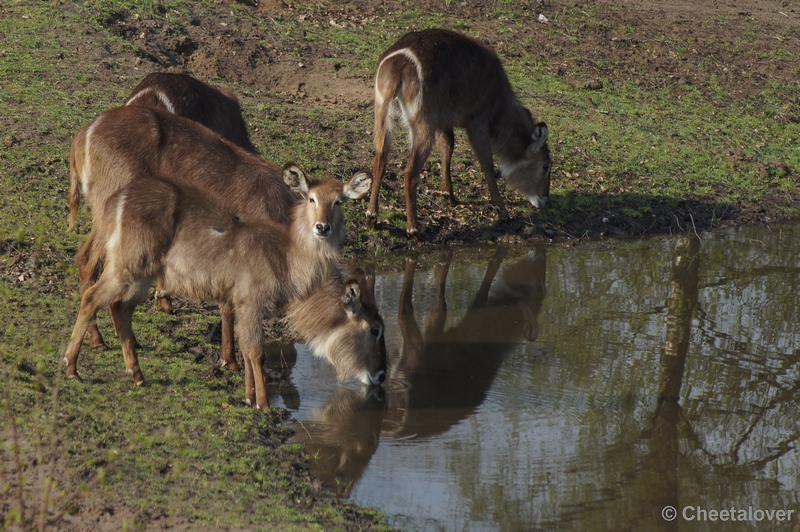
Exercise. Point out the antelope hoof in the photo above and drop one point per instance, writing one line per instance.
(372, 219)
(231, 366)
(95, 338)
(138, 377)
(501, 212)
(451, 198)
(72, 373)
(165, 305)
(97, 346)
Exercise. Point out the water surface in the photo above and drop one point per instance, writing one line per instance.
(575, 388)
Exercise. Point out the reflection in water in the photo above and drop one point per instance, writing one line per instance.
(658, 373)
(452, 369)
(342, 437)
(438, 377)
(682, 302)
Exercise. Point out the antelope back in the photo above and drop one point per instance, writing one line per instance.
(205, 250)
(183, 95)
(442, 78)
(127, 142)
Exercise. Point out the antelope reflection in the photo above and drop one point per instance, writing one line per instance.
(342, 437)
(438, 376)
(451, 370)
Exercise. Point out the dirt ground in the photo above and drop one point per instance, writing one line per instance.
(302, 71)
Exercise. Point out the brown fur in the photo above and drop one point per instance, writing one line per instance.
(433, 81)
(128, 142)
(217, 109)
(308, 316)
(205, 251)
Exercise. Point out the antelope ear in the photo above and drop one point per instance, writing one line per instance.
(351, 297)
(538, 137)
(358, 186)
(295, 178)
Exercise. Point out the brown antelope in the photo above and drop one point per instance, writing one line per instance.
(204, 250)
(435, 80)
(180, 94)
(125, 143)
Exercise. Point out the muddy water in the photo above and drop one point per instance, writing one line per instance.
(577, 389)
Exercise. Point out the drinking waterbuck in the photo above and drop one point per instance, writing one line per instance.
(433, 81)
(181, 94)
(126, 143)
(204, 250)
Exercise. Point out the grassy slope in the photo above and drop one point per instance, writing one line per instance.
(185, 447)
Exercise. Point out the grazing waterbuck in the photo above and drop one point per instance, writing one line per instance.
(203, 249)
(433, 81)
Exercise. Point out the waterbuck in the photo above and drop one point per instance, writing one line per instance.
(204, 249)
(433, 81)
(125, 143)
(181, 94)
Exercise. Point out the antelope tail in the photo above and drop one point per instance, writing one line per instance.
(74, 193)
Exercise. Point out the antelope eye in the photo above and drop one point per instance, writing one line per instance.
(311, 200)
(375, 331)
(546, 168)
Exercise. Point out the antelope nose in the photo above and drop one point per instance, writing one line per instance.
(322, 229)
(538, 202)
(378, 378)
